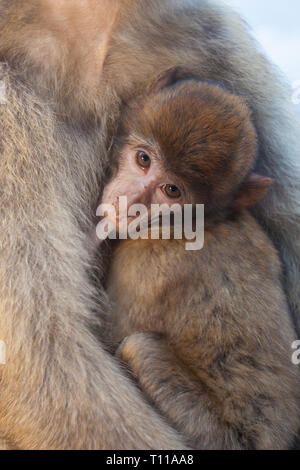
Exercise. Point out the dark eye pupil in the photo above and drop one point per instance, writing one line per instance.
(143, 160)
(172, 191)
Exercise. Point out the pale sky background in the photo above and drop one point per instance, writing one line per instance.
(276, 25)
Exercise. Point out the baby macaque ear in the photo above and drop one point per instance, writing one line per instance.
(167, 78)
(253, 190)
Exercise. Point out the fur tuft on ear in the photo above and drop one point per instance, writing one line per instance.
(168, 78)
(253, 190)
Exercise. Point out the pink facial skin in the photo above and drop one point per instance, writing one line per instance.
(142, 185)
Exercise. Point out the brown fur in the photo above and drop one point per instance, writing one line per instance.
(192, 119)
(66, 71)
(213, 349)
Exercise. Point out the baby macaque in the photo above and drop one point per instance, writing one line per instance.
(208, 332)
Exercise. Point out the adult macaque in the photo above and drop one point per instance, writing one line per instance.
(67, 66)
(213, 349)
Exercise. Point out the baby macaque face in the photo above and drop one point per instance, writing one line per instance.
(185, 143)
(142, 178)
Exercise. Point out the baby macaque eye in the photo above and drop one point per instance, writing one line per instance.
(172, 191)
(143, 160)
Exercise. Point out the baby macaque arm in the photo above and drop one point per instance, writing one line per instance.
(176, 392)
(210, 412)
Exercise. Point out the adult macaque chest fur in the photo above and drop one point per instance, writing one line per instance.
(208, 333)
